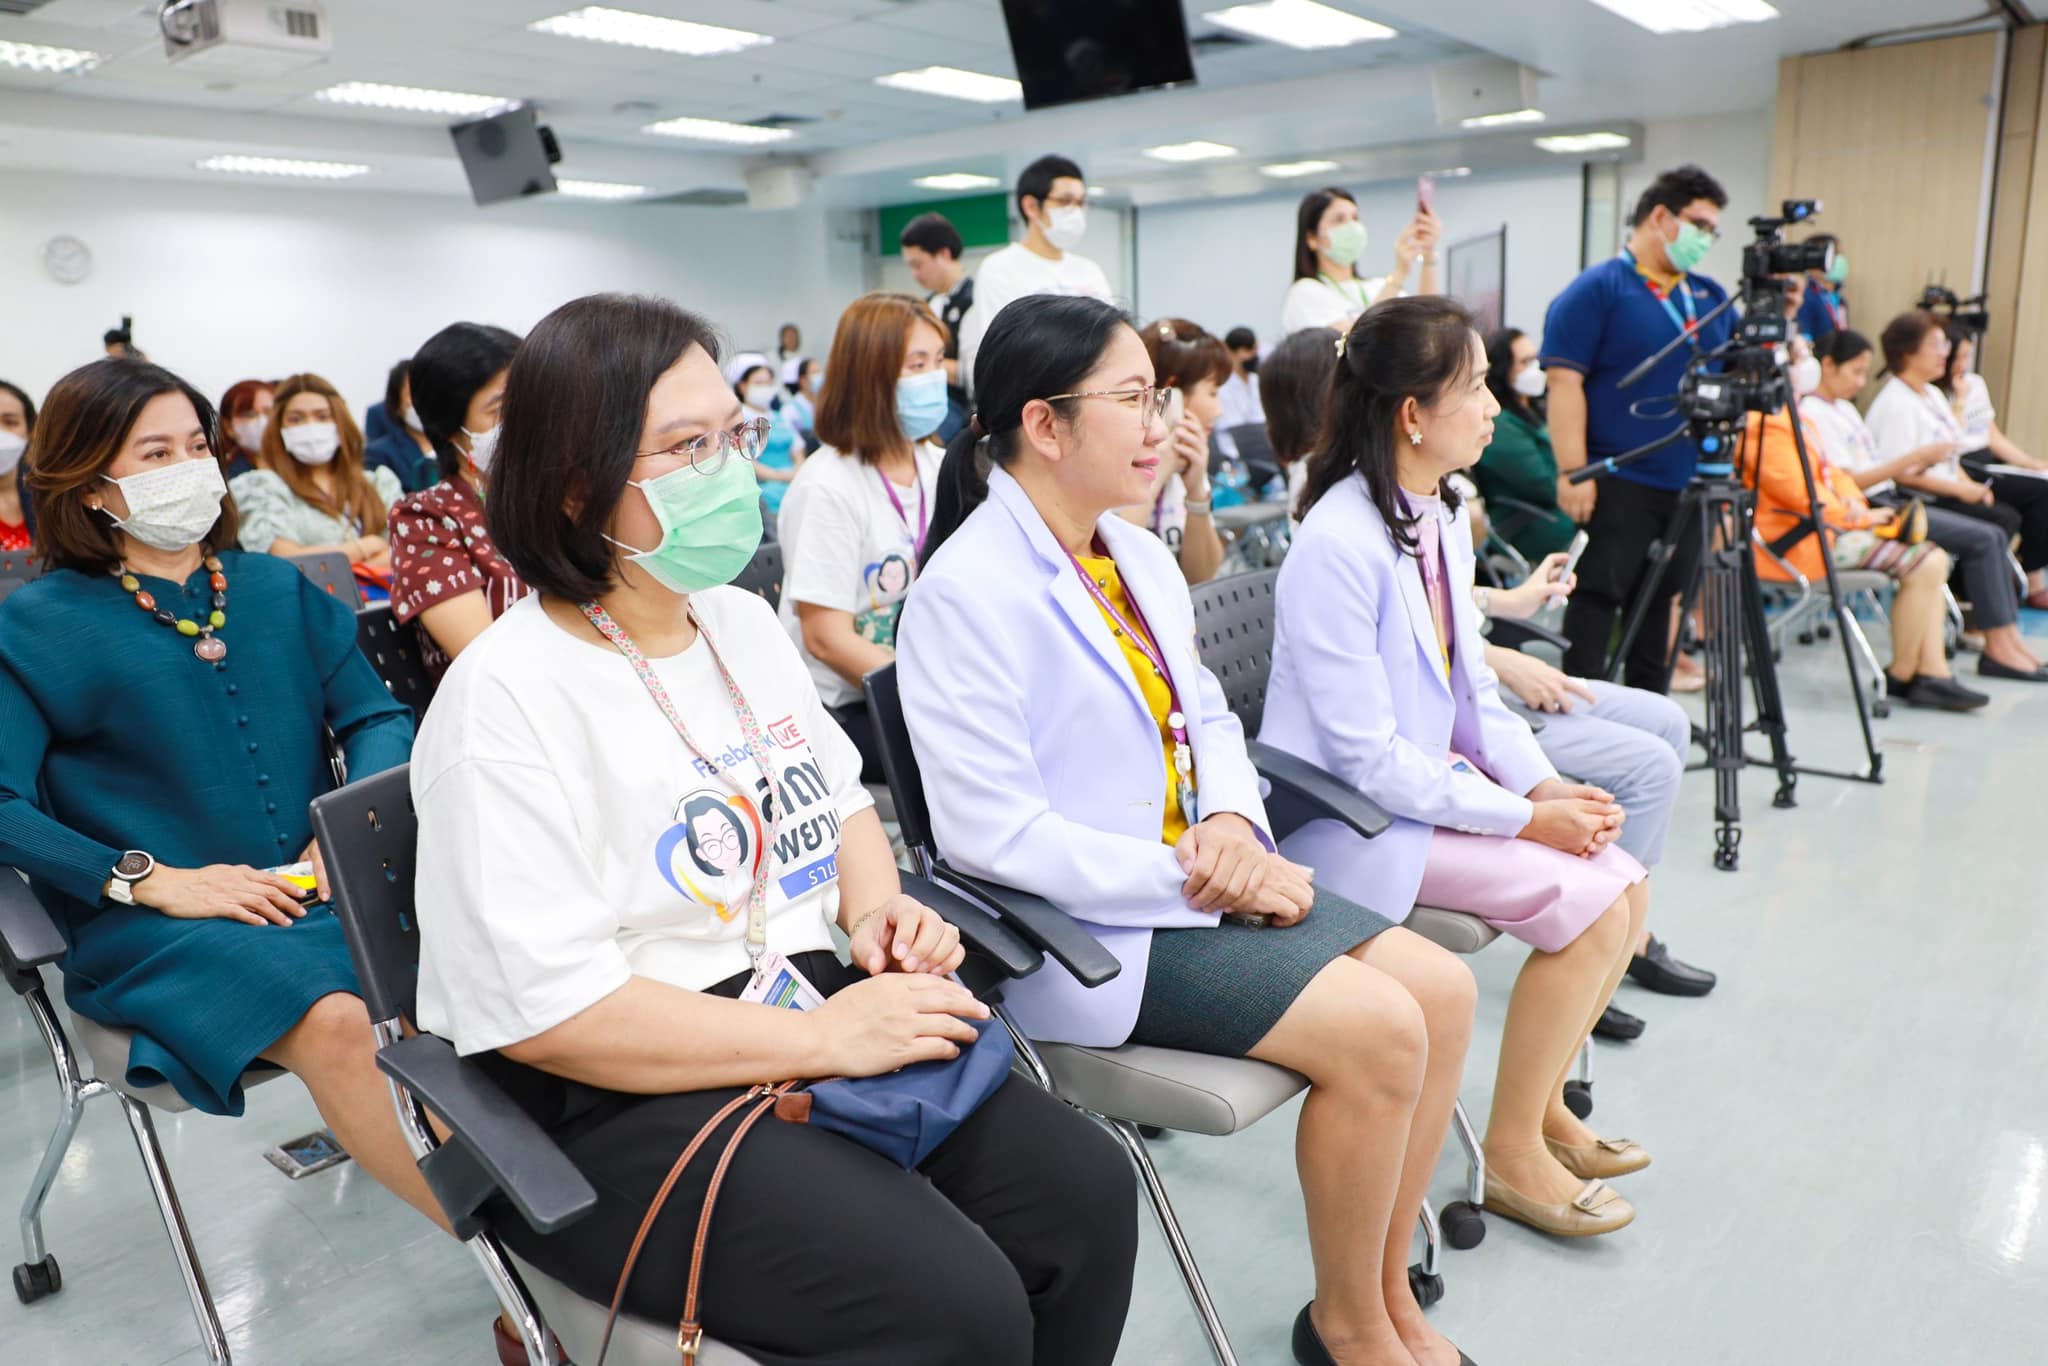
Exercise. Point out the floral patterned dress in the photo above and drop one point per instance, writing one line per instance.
(440, 549)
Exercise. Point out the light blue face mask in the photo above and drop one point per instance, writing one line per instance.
(921, 403)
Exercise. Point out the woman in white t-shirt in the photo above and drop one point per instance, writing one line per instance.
(632, 759)
(854, 521)
(1328, 240)
(1193, 364)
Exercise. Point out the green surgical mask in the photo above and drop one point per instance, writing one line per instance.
(1347, 242)
(710, 526)
(1838, 269)
(1690, 247)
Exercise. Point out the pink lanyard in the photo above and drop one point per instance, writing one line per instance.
(923, 519)
(1148, 645)
(1429, 551)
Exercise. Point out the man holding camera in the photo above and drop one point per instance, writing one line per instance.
(1608, 321)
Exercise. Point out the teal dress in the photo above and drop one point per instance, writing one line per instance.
(115, 736)
(1519, 464)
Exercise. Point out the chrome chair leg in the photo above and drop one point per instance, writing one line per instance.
(1854, 630)
(1176, 1241)
(73, 1092)
(1475, 1156)
(143, 1128)
(1586, 1061)
(516, 1302)
(1432, 1238)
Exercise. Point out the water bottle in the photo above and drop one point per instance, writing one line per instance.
(1230, 485)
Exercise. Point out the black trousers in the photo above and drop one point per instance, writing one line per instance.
(1615, 571)
(853, 718)
(1013, 1243)
(2021, 508)
(1982, 576)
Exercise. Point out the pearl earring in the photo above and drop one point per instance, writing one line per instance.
(1415, 438)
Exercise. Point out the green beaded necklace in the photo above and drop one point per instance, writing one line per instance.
(204, 644)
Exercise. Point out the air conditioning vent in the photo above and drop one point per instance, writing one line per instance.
(302, 23)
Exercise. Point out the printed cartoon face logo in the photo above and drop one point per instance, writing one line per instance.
(887, 578)
(713, 850)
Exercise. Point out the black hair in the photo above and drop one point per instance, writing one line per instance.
(28, 405)
(1294, 389)
(1958, 333)
(1675, 189)
(803, 367)
(1500, 365)
(1308, 218)
(575, 403)
(1036, 182)
(1042, 344)
(28, 414)
(1404, 348)
(394, 392)
(1841, 346)
(446, 373)
(932, 232)
(120, 336)
(1903, 335)
(699, 806)
(1239, 338)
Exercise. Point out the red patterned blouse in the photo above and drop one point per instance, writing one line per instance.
(13, 536)
(440, 549)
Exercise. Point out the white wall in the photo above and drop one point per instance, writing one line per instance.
(1733, 148)
(230, 282)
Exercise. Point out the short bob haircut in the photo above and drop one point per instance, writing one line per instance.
(85, 422)
(857, 410)
(575, 403)
(1183, 354)
(1307, 219)
(1903, 335)
(1294, 386)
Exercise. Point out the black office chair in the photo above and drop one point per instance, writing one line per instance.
(332, 571)
(393, 649)
(17, 569)
(1255, 449)
(763, 574)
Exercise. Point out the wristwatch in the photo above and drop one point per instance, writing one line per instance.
(133, 868)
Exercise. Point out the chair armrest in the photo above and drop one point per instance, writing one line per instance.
(542, 1183)
(1043, 925)
(1511, 634)
(1303, 793)
(981, 933)
(28, 936)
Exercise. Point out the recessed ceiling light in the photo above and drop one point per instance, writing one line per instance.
(1450, 172)
(55, 60)
(1288, 170)
(599, 189)
(1190, 151)
(717, 130)
(1503, 120)
(284, 166)
(600, 24)
(1582, 142)
(1096, 191)
(1689, 16)
(413, 99)
(1299, 23)
(955, 84)
(957, 180)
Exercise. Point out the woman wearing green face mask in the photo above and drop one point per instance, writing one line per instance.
(1329, 239)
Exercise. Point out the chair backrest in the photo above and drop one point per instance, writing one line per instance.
(899, 760)
(763, 574)
(17, 568)
(1234, 636)
(393, 649)
(1255, 449)
(332, 571)
(369, 837)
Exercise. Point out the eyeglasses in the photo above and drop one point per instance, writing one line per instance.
(1150, 400)
(1712, 230)
(708, 453)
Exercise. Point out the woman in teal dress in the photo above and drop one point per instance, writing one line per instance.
(162, 706)
(1519, 463)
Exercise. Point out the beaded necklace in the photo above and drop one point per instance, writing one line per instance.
(204, 644)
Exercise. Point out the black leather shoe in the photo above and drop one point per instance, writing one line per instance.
(1308, 1343)
(1943, 694)
(1991, 668)
(1618, 1025)
(1660, 972)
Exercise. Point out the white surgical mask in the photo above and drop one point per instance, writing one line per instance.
(12, 444)
(249, 431)
(313, 443)
(1066, 225)
(1530, 382)
(482, 446)
(759, 397)
(172, 507)
(1805, 376)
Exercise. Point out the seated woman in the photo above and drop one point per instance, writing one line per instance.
(445, 573)
(244, 414)
(753, 382)
(1194, 364)
(1518, 463)
(800, 380)
(17, 425)
(402, 445)
(1073, 746)
(154, 844)
(1978, 547)
(1379, 676)
(580, 930)
(1985, 446)
(853, 524)
(310, 493)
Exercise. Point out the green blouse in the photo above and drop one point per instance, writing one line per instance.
(271, 511)
(1520, 465)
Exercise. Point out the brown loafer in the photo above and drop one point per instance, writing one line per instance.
(511, 1351)
(1595, 1210)
(1605, 1158)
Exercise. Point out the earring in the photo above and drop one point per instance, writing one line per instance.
(1415, 438)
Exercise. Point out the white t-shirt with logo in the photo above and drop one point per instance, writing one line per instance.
(1318, 301)
(570, 840)
(1901, 420)
(846, 546)
(1013, 273)
(1842, 432)
(1974, 398)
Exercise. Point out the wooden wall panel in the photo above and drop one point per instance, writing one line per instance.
(2026, 51)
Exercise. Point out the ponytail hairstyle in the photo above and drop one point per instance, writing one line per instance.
(445, 374)
(1040, 345)
(1841, 346)
(1417, 348)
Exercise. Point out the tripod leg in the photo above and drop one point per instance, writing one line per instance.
(1770, 701)
(1720, 603)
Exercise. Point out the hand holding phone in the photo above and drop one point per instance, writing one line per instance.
(1425, 194)
(1571, 557)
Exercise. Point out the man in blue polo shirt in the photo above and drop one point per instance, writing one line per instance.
(1608, 321)
(1824, 310)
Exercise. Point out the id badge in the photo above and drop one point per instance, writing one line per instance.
(778, 983)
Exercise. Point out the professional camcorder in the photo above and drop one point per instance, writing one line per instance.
(1941, 301)
(1748, 375)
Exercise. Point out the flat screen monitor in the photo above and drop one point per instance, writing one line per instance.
(1071, 50)
(505, 155)
(1479, 277)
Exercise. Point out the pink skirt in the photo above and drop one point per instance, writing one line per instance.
(1540, 895)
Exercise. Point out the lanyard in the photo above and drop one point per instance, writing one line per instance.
(750, 733)
(1141, 636)
(923, 516)
(1358, 284)
(1686, 325)
(1835, 309)
(1429, 561)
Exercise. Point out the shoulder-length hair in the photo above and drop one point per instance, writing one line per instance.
(85, 422)
(1307, 219)
(857, 410)
(1294, 388)
(1902, 336)
(1500, 364)
(1184, 354)
(445, 374)
(355, 498)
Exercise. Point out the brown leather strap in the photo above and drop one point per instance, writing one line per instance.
(690, 1335)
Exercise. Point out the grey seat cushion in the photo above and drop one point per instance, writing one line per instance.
(1861, 580)
(1454, 930)
(1192, 1092)
(107, 1047)
(579, 1323)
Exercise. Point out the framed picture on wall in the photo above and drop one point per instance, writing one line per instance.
(1478, 276)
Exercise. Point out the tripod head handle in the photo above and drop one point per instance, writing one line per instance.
(1635, 376)
(1600, 469)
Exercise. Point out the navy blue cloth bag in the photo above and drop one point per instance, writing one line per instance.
(904, 1115)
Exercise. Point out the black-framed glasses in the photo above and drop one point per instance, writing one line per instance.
(1150, 400)
(708, 453)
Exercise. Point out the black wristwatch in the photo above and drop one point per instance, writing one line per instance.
(133, 868)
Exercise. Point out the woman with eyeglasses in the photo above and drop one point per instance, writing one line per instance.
(1073, 745)
(853, 523)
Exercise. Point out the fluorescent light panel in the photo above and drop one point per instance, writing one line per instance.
(716, 130)
(1190, 151)
(1288, 170)
(284, 166)
(1299, 23)
(955, 84)
(1582, 142)
(1689, 16)
(1451, 173)
(1503, 120)
(55, 60)
(600, 24)
(413, 99)
(957, 180)
(599, 189)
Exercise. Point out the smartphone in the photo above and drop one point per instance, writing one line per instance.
(1425, 193)
(1571, 556)
(306, 1154)
(1176, 408)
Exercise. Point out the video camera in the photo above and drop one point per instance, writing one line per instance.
(1941, 301)
(1750, 372)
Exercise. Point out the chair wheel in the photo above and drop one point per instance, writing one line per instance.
(34, 1281)
(1463, 1225)
(1578, 1097)
(1427, 1288)
(1151, 1133)
(1806, 637)
(1880, 709)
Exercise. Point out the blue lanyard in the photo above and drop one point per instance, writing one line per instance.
(1689, 324)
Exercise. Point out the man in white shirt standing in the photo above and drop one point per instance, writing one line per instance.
(932, 248)
(1052, 195)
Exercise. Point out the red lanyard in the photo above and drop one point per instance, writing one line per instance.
(923, 517)
(1141, 636)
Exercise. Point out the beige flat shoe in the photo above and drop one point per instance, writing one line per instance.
(1608, 1157)
(1597, 1209)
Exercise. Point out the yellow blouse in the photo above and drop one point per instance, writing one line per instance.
(1158, 696)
